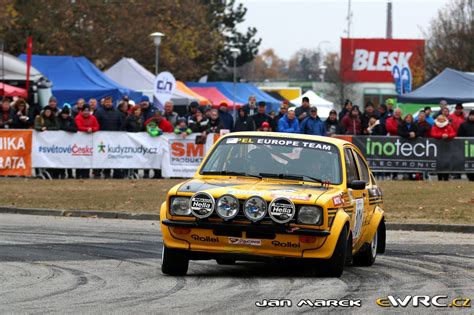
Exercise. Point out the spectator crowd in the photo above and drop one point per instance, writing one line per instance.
(93, 116)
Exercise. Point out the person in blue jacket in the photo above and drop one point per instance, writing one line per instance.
(313, 125)
(289, 123)
(224, 116)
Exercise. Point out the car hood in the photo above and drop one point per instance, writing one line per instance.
(267, 189)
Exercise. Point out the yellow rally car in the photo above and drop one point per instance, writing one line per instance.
(275, 195)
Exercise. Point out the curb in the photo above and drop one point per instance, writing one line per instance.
(82, 213)
(423, 227)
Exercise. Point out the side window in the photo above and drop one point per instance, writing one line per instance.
(364, 171)
(351, 167)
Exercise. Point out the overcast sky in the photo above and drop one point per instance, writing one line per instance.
(288, 25)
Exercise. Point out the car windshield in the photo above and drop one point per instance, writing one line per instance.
(275, 157)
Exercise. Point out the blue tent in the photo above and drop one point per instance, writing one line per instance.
(450, 85)
(76, 77)
(242, 93)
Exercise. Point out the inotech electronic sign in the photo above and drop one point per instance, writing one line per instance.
(420, 154)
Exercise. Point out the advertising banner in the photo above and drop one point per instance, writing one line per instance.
(183, 156)
(53, 149)
(417, 155)
(15, 152)
(373, 60)
(124, 150)
(165, 85)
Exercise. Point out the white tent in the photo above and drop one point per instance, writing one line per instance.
(324, 106)
(129, 73)
(14, 69)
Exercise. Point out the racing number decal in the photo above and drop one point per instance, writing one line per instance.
(359, 217)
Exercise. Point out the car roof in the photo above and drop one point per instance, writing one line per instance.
(331, 140)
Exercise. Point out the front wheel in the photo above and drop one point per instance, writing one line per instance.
(334, 267)
(367, 254)
(174, 262)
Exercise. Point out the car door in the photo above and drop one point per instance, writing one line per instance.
(374, 193)
(358, 198)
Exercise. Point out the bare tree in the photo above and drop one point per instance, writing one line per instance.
(304, 65)
(450, 39)
(265, 66)
(342, 89)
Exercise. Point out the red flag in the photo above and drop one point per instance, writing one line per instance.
(29, 50)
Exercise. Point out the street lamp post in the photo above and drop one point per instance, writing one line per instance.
(157, 40)
(322, 67)
(235, 53)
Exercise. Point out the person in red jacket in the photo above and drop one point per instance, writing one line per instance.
(457, 118)
(351, 122)
(85, 121)
(392, 123)
(442, 129)
(161, 122)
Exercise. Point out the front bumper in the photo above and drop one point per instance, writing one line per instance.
(258, 228)
(208, 239)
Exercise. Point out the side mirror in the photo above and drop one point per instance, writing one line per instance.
(357, 184)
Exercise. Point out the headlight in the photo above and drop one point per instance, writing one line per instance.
(180, 206)
(227, 207)
(255, 208)
(201, 205)
(310, 215)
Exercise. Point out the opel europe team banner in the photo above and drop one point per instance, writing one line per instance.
(417, 155)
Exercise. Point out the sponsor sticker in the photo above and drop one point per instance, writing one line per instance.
(337, 200)
(359, 217)
(282, 210)
(207, 239)
(290, 194)
(283, 142)
(244, 241)
(201, 204)
(245, 192)
(286, 244)
(232, 140)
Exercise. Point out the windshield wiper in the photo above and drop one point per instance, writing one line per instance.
(230, 173)
(292, 176)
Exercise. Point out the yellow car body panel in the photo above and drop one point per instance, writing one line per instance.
(341, 207)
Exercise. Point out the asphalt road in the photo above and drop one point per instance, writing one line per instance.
(78, 265)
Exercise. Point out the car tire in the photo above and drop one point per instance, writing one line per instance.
(382, 237)
(334, 267)
(367, 254)
(225, 261)
(174, 262)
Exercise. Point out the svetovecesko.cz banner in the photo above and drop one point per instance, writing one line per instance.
(121, 150)
(60, 149)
